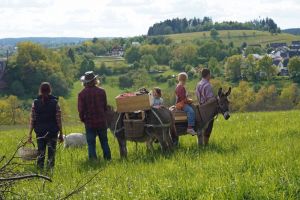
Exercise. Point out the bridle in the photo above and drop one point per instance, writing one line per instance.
(219, 108)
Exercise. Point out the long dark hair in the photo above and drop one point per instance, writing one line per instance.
(44, 91)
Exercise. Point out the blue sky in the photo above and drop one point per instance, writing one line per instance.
(100, 18)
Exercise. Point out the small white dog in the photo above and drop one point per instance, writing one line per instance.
(74, 140)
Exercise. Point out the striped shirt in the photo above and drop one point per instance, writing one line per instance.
(204, 91)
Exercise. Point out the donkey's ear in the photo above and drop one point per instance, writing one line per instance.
(228, 92)
(220, 92)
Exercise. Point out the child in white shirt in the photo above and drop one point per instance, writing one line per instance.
(157, 100)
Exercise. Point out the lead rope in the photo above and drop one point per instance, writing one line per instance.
(155, 114)
(117, 124)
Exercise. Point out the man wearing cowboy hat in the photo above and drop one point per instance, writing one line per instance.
(92, 105)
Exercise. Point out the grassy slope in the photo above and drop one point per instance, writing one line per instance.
(236, 36)
(251, 156)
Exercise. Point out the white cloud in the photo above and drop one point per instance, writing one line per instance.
(91, 18)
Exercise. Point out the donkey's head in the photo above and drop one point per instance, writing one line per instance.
(223, 102)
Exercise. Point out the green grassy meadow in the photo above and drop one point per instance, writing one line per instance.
(251, 156)
(238, 37)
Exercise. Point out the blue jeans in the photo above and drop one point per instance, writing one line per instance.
(91, 134)
(190, 114)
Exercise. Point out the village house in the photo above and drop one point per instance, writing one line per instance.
(294, 49)
(116, 51)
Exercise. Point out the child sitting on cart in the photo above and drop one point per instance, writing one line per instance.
(157, 100)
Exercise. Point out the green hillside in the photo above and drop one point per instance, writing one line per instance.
(239, 36)
(251, 156)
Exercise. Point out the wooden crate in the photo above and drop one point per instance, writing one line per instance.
(180, 116)
(134, 128)
(133, 103)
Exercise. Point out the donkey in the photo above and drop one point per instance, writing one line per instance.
(207, 112)
(160, 125)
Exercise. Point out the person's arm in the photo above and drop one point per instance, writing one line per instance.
(198, 95)
(59, 123)
(31, 125)
(80, 107)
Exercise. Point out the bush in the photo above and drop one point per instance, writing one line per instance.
(233, 68)
(289, 97)
(17, 88)
(266, 98)
(11, 111)
(161, 78)
(294, 69)
(176, 65)
(242, 97)
(125, 81)
(132, 55)
(191, 74)
(172, 82)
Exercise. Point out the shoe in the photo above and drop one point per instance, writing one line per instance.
(191, 131)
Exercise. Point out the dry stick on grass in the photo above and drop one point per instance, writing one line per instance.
(29, 176)
(79, 188)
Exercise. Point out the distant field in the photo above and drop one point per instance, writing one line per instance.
(109, 61)
(238, 36)
(251, 156)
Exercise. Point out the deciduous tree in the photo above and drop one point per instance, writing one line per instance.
(294, 69)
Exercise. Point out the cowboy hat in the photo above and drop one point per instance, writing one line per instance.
(88, 77)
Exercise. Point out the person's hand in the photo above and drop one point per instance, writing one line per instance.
(29, 140)
(61, 138)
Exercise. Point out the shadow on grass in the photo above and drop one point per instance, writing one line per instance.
(211, 148)
(141, 156)
(87, 164)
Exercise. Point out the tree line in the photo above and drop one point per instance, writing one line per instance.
(33, 64)
(177, 25)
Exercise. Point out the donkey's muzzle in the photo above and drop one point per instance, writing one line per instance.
(226, 115)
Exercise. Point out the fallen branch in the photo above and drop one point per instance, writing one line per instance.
(25, 177)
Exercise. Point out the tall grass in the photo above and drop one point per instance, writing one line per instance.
(251, 156)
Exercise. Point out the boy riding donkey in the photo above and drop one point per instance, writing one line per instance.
(204, 93)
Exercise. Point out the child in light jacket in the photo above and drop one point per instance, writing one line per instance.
(157, 100)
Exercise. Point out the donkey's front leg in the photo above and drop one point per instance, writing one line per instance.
(200, 138)
(122, 147)
(162, 142)
(149, 144)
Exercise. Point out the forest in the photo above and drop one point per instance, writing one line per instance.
(176, 25)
